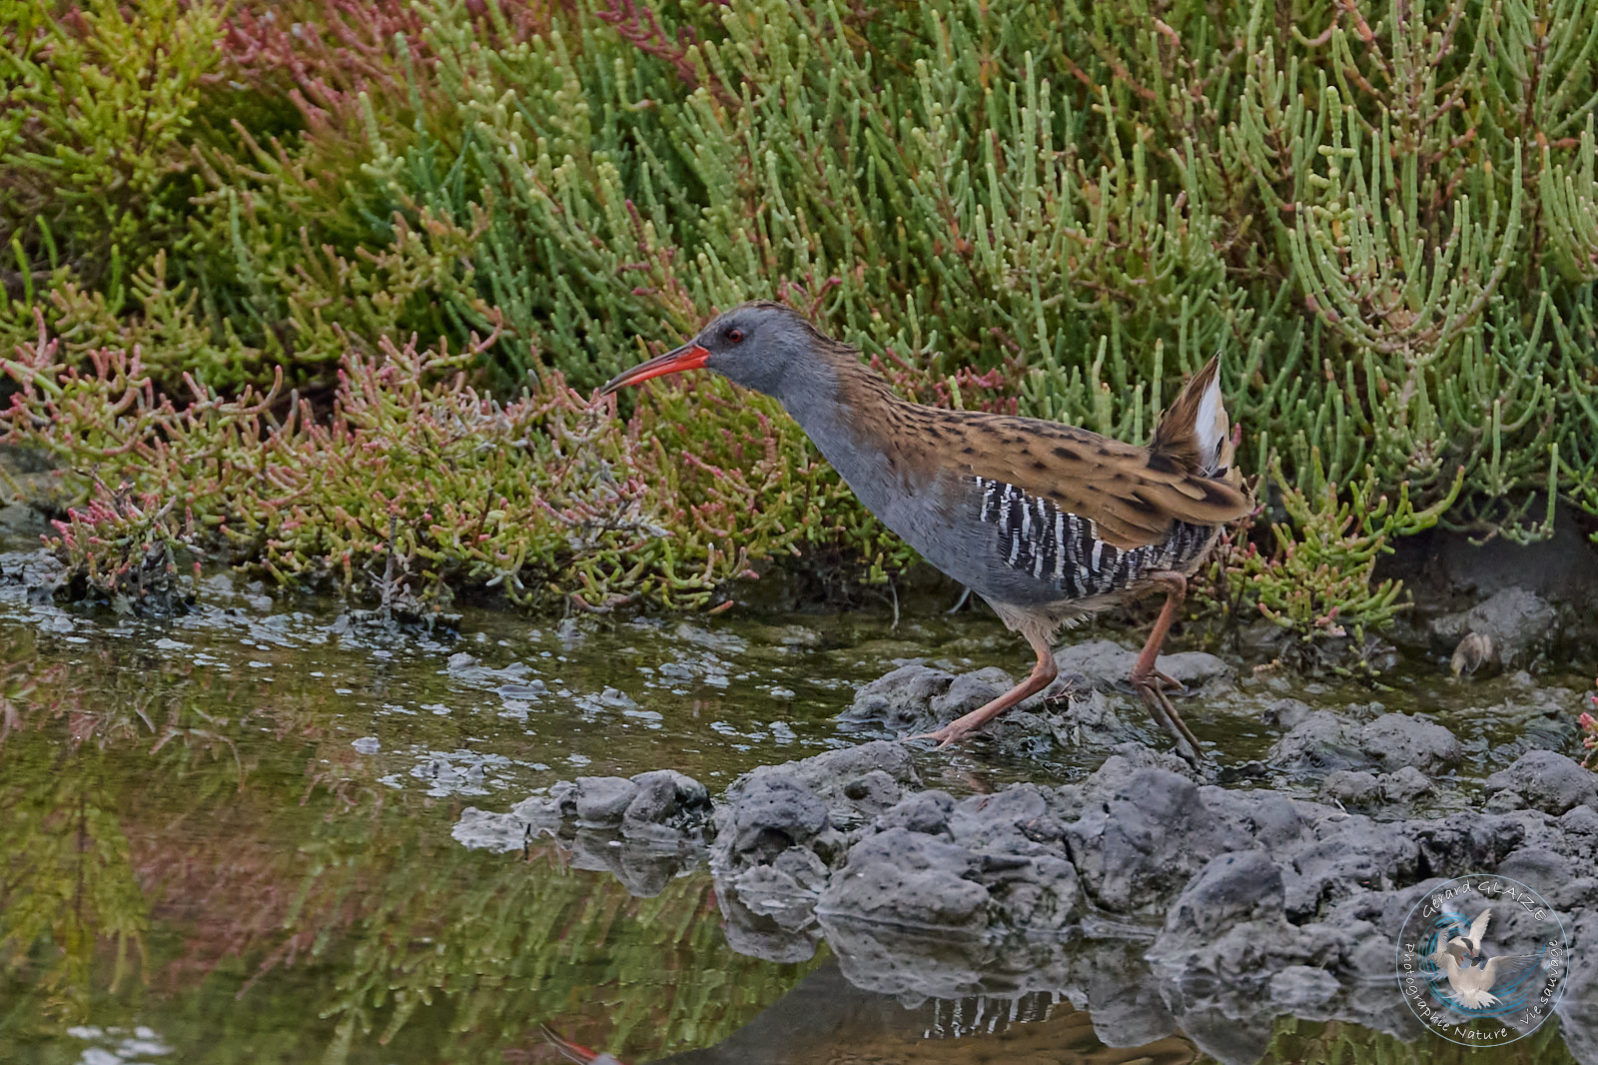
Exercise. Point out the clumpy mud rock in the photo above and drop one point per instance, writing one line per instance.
(1081, 707)
(1358, 788)
(1321, 740)
(642, 830)
(1161, 902)
(780, 829)
(1147, 891)
(1149, 834)
(602, 801)
(901, 700)
(931, 862)
(663, 806)
(1245, 881)
(1232, 888)
(1106, 665)
(1508, 629)
(1543, 780)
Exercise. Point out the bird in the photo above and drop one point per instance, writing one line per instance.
(1470, 942)
(1047, 522)
(1477, 981)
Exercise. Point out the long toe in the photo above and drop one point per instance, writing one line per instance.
(1165, 715)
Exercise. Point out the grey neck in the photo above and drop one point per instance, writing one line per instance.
(839, 408)
(810, 391)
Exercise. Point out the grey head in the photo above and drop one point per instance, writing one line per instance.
(763, 346)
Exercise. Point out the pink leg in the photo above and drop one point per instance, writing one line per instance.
(1042, 674)
(1150, 683)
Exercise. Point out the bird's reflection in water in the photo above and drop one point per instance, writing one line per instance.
(826, 1020)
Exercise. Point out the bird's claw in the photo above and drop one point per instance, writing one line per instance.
(1152, 690)
(1165, 682)
(943, 737)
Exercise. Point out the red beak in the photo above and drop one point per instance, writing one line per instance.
(688, 357)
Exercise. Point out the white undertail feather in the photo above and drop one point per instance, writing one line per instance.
(1210, 426)
(1194, 432)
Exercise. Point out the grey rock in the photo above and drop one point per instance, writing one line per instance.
(900, 700)
(811, 804)
(869, 794)
(1231, 888)
(1318, 741)
(1513, 621)
(908, 878)
(1580, 821)
(603, 800)
(926, 812)
(1090, 717)
(1549, 873)
(1106, 665)
(1562, 569)
(1267, 818)
(1347, 856)
(1355, 787)
(967, 691)
(1139, 846)
(1300, 986)
(1404, 784)
(1545, 780)
(654, 801)
(834, 773)
(666, 796)
(1397, 740)
(1285, 714)
(776, 813)
(1322, 741)
(19, 519)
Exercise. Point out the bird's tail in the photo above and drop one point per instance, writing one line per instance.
(1477, 999)
(1194, 432)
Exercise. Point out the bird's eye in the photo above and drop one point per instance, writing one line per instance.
(735, 335)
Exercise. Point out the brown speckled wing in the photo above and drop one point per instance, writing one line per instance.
(1132, 496)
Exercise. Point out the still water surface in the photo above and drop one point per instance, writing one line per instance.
(227, 838)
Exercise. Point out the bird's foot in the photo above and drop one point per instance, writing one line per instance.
(1167, 684)
(946, 736)
(1152, 690)
(1171, 684)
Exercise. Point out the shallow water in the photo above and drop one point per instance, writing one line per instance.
(227, 837)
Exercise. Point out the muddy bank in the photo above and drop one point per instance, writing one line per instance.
(1162, 899)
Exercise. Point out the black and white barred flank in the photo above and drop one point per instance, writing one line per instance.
(1039, 538)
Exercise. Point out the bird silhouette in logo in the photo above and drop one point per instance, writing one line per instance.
(1478, 982)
